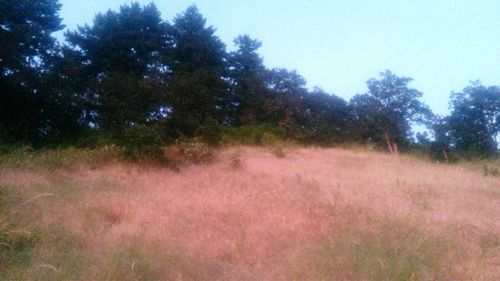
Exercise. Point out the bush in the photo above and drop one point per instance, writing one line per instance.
(94, 140)
(142, 143)
(210, 133)
(252, 135)
(190, 151)
(28, 158)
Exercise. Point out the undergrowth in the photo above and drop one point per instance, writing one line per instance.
(191, 151)
(385, 251)
(16, 244)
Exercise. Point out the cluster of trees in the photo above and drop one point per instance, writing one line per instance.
(132, 68)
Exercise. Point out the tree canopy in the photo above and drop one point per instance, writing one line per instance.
(474, 123)
(132, 71)
(26, 49)
(124, 58)
(198, 70)
(385, 113)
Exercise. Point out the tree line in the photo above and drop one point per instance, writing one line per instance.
(132, 69)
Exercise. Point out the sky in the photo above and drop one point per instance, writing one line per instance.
(339, 44)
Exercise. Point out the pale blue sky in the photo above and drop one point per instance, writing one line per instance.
(338, 45)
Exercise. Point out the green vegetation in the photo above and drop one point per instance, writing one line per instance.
(78, 214)
(253, 135)
(132, 72)
(15, 243)
(133, 87)
(388, 251)
(25, 157)
(142, 143)
(189, 151)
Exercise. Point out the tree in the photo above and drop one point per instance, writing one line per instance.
(474, 123)
(26, 46)
(198, 88)
(385, 113)
(248, 75)
(286, 93)
(124, 58)
(327, 116)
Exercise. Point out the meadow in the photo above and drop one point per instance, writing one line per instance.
(248, 213)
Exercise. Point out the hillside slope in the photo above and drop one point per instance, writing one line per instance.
(314, 214)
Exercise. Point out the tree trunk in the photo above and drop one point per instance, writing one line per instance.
(394, 147)
(391, 144)
(388, 142)
(445, 153)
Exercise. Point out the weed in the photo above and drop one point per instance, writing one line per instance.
(388, 251)
(191, 151)
(50, 159)
(491, 171)
(142, 143)
(235, 161)
(15, 244)
(278, 151)
(252, 135)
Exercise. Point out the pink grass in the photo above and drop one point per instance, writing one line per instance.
(250, 220)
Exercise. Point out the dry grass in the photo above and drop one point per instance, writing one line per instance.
(316, 214)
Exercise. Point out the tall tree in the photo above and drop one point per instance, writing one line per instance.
(327, 117)
(198, 86)
(386, 111)
(285, 104)
(248, 76)
(26, 45)
(474, 123)
(124, 55)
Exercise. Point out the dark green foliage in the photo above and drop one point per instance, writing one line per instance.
(327, 118)
(94, 139)
(131, 73)
(474, 122)
(210, 132)
(287, 91)
(197, 88)
(122, 57)
(388, 109)
(248, 74)
(26, 48)
(142, 143)
(263, 134)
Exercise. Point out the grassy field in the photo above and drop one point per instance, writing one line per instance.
(249, 214)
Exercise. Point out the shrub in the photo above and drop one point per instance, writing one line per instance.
(190, 151)
(142, 143)
(94, 140)
(252, 135)
(210, 132)
(28, 158)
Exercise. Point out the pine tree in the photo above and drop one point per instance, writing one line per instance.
(26, 47)
(198, 86)
(248, 76)
(124, 57)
